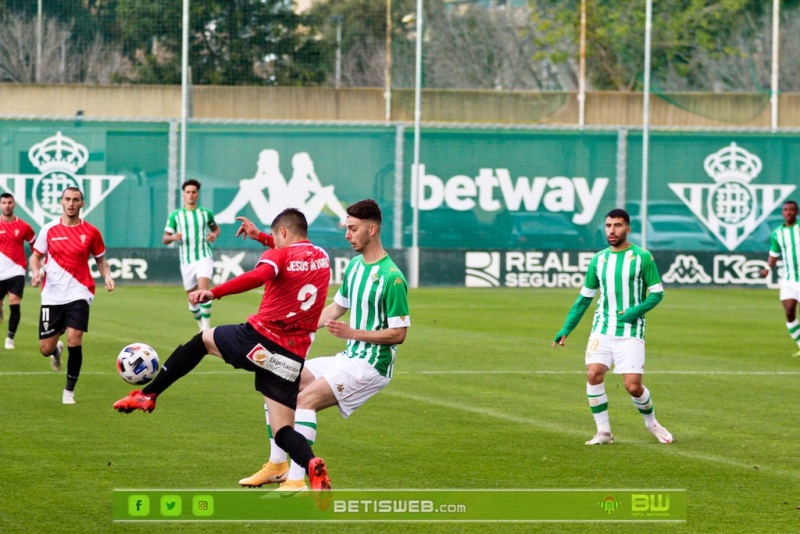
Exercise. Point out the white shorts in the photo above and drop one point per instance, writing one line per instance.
(624, 354)
(191, 272)
(352, 380)
(790, 290)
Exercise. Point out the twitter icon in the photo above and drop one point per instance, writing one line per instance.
(171, 505)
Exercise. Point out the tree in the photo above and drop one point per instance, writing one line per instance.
(234, 42)
(62, 60)
(685, 34)
(363, 44)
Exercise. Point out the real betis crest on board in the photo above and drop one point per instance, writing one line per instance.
(732, 207)
(59, 158)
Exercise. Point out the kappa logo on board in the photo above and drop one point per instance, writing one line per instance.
(59, 158)
(269, 193)
(686, 270)
(732, 207)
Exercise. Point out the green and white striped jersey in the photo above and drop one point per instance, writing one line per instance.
(624, 278)
(192, 224)
(377, 296)
(785, 242)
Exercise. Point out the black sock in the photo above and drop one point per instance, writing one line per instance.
(13, 320)
(295, 445)
(180, 363)
(74, 364)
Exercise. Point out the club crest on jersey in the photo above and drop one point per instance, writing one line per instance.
(732, 207)
(59, 158)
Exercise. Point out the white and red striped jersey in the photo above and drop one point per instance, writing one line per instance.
(66, 251)
(13, 236)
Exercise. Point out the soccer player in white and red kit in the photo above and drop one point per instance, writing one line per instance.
(274, 341)
(66, 245)
(14, 233)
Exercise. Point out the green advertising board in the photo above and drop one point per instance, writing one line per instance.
(483, 193)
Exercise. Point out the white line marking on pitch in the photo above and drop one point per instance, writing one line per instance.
(561, 429)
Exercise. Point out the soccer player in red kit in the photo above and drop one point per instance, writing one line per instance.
(274, 341)
(14, 233)
(66, 244)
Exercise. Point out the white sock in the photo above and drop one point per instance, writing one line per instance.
(598, 402)
(305, 422)
(276, 454)
(794, 331)
(196, 313)
(645, 407)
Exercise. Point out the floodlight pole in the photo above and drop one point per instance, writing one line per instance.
(39, 42)
(184, 87)
(387, 77)
(648, 28)
(582, 73)
(776, 36)
(416, 193)
(338, 20)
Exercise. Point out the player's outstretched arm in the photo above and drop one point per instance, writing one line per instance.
(384, 336)
(560, 339)
(574, 316)
(632, 314)
(105, 271)
(171, 237)
(214, 232)
(331, 312)
(772, 261)
(199, 296)
(248, 229)
(35, 265)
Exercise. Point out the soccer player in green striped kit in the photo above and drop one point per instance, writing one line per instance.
(188, 226)
(630, 286)
(785, 242)
(375, 292)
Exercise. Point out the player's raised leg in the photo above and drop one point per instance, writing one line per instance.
(179, 364)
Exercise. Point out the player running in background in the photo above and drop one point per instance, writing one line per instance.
(630, 286)
(785, 243)
(187, 226)
(376, 293)
(14, 233)
(66, 245)
(272, 344)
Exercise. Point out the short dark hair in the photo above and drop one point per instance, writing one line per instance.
(619, 213)
(72, 188)
(366, 210)
(293, 219)
(190, 181)
(7, 195)
(792, 202)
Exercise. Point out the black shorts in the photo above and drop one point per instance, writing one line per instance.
(14, 285)
(55, 318)
(277, 371)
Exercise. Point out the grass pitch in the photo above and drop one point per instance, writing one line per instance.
(479, 400)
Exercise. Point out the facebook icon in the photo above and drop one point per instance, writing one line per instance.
(138, 505)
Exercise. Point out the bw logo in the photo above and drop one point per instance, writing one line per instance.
(59, 158)
(732, 208)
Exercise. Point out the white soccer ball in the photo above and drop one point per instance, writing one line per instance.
(138, 363)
